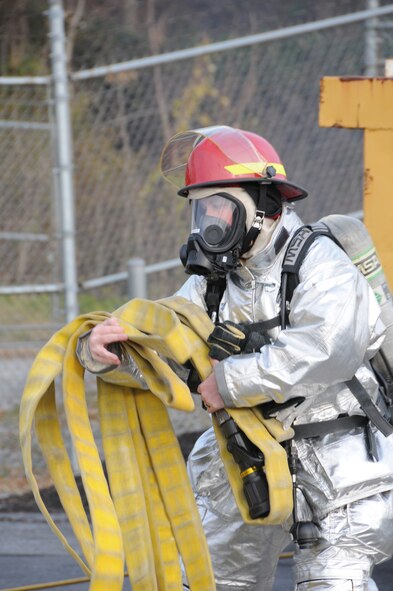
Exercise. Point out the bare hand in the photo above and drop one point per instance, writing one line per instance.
(210, 395)
(102, 335)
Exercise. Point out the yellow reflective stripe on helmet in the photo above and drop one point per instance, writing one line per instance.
(257, 167)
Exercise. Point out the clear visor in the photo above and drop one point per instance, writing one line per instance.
(175, 154)
(217, 220)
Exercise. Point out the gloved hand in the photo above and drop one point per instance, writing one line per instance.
(229, 338)
(225, 340)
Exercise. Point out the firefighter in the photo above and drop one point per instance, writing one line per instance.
(242, 218)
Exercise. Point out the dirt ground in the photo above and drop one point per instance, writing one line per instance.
(12, 476)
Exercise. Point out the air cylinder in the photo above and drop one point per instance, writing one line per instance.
(357, 243)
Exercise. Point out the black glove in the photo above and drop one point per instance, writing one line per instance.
(229, 338)
(225, 340)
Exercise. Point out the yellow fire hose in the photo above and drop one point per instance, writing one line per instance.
(146, 516)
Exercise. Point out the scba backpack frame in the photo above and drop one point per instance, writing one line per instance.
(352, 236)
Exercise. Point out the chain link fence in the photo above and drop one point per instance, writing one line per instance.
(121, 119)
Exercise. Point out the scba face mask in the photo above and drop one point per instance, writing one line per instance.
(218, 229)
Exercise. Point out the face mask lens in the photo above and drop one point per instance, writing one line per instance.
(215, 219)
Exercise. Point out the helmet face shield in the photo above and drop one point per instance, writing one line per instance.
(218, 221)
(230, 144)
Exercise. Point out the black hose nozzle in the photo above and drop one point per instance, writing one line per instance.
(251, 463)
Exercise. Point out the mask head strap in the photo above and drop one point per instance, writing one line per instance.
(257, 224)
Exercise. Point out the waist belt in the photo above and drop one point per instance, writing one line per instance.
(332, 426)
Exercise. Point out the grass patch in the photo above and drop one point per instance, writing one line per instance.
(35, 317)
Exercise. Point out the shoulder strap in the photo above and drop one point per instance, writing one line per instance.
(294, 256)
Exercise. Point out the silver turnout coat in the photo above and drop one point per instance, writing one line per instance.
(334, 329)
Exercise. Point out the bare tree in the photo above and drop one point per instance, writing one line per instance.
(131, 13)
(73, 22)
(156, 30)
(15, 33)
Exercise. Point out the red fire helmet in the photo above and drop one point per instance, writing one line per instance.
(222, 155)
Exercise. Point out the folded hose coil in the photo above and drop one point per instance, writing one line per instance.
(146, 516)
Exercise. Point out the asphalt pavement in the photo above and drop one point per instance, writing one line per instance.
(31, 556)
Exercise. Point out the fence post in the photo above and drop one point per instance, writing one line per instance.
(137, 281)
(64, 158)
(371, 42)
(64, 166)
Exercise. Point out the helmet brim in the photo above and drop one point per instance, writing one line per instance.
(289, 191)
